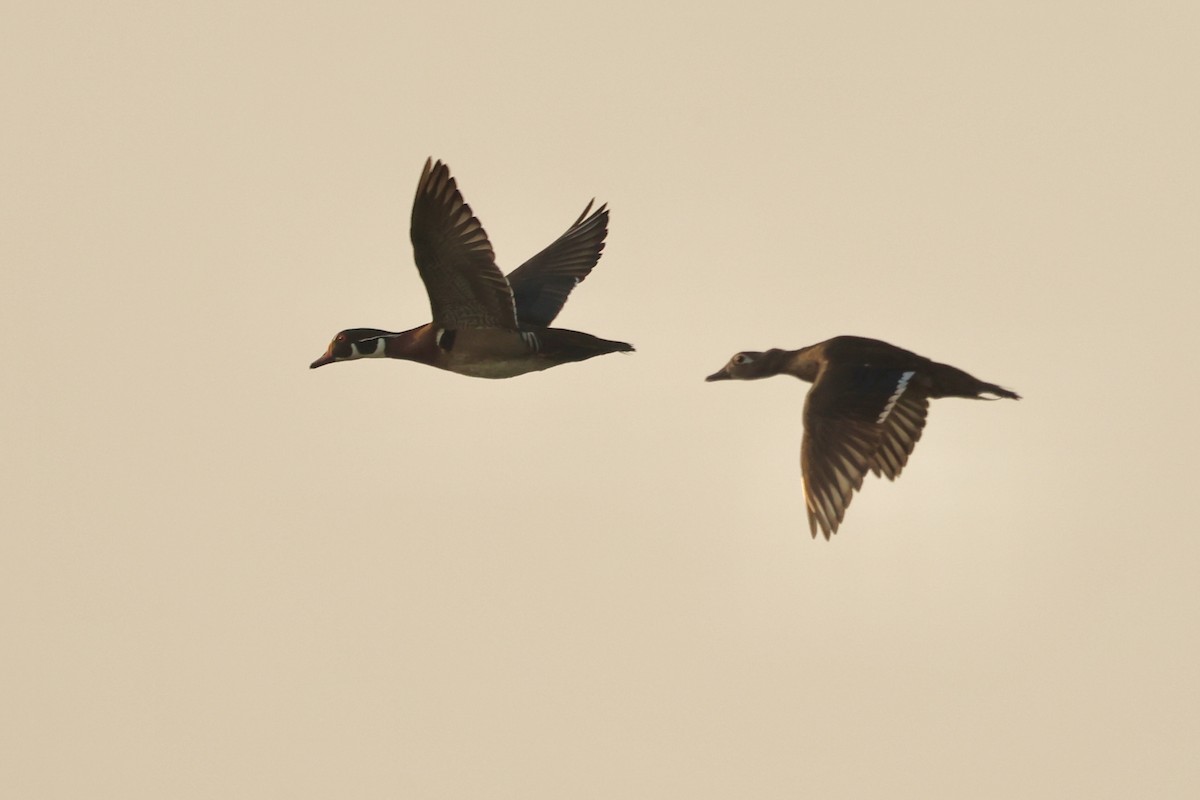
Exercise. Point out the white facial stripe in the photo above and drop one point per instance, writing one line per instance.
(891, 403)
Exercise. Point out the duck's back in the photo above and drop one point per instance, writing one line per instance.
(937, 379)
(870, 352)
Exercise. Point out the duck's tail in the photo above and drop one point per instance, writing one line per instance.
(951, 381)
(564, 345)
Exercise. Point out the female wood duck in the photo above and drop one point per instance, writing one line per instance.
(865, 411)
(484, 324)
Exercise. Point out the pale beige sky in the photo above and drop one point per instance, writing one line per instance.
(225, 575)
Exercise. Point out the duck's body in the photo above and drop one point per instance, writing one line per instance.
(865, 411)
(485, 325)
(475, 352)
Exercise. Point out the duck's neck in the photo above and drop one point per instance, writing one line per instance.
(803, 363)
(417, 344)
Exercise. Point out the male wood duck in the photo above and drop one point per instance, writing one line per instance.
(865, 411)
(484, 324)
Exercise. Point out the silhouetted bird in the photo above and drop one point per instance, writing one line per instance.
(865, 411)
(484, 324)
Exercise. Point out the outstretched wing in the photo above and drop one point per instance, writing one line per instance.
(466, 288)
(542, 284)
(857, 418)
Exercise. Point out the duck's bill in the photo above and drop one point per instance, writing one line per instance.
(322, 361)
(720, 375)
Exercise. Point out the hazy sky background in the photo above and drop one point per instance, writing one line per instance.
(223, 575)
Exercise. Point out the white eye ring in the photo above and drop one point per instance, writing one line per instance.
(740, 359)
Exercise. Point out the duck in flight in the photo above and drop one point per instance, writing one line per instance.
(865, 411)
(485, 324)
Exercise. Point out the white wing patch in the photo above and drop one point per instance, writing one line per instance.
(531, 340)
(891, 403)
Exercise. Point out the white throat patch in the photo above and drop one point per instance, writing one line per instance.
(360, 348)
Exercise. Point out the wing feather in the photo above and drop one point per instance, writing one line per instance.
(857, 419)
(542, 284)
(455, 259)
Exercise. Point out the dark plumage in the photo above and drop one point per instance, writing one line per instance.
(484, 324)
(865, 411)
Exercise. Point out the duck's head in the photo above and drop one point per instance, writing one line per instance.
(354, 343)
(748, 365)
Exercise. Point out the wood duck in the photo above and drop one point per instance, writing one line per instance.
(484, 324)
(865, 411)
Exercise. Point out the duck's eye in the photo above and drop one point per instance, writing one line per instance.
(740, 359)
